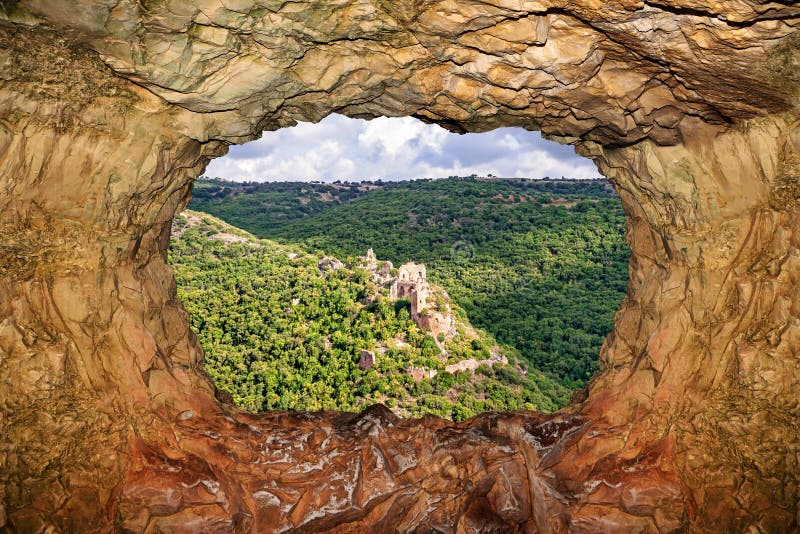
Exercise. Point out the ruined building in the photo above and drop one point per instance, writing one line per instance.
(369, 262)
(411, 283)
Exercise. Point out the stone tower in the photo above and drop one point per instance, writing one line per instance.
(412, 283)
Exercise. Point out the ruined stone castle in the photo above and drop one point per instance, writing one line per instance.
(411, 282)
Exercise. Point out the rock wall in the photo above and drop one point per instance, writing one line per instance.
(109, 109)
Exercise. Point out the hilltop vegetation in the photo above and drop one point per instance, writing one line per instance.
(247, 203)
(284, 329)
(541, 265)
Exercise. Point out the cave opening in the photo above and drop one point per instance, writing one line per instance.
(523, 243)
(108, 112)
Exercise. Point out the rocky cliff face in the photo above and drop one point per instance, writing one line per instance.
(109, 109)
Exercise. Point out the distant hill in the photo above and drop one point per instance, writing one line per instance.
(539, 264)
(285, 329)
(262, 206)
(245, 204)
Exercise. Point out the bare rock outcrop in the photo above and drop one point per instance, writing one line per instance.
(109, 110)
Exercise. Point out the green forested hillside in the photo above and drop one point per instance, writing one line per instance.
(246, 203)
(541, 265)
(283, 329)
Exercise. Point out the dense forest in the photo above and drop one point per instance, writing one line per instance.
(246, 203)
(541, 265)
(284, 329)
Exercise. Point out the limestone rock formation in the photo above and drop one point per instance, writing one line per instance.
(109, 109)
(472, 364)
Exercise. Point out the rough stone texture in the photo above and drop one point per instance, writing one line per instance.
(109, 109)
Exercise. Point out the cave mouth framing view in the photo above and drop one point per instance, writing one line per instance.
(110, 110)
(343, 313)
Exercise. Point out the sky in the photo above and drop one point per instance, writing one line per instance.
(340, 148)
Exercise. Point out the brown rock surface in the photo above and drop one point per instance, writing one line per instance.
(109, 109)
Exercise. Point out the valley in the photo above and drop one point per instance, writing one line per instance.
(283, 329)
(541, 265)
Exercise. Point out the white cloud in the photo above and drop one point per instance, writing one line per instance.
(350, 149)
(403, 135)
(509, 142)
